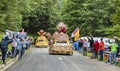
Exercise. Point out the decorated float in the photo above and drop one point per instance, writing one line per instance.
(60, 41)
(41, 41)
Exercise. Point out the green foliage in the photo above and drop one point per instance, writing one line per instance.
(96, 17)
(32, 15)
(115, 19)
(44, 16)
(91, 16)
(10, 18)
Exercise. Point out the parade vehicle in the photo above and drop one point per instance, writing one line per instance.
(60, 42)
(41, 42)
(61, 48)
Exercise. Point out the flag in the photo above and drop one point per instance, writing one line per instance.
(75, 33)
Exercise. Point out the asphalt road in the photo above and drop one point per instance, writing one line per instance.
(40, 60)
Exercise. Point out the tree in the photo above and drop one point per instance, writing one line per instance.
(91, 16)
(113, 30)
(9, 15)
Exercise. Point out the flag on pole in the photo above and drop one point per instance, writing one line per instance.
(75, 33)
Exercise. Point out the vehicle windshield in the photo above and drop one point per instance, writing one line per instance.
(41, 40)
(61, 43)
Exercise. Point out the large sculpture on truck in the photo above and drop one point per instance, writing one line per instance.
(60, 41)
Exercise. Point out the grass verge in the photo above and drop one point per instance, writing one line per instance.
(9, 58)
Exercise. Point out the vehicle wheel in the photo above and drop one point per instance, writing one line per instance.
(71, 53)
(51, 53)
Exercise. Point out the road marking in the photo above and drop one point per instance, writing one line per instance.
(41, 50)
(60, 58)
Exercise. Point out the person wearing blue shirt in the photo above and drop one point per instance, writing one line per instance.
(4, 46)
(20, 42)
(75, 44)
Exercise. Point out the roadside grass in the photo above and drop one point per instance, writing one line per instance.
(9, 49)
(9, 57)
(118, 63)
(0, 61)
(1, 34)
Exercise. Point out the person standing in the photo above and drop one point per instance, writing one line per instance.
(24, 47)
(113, 52)
(96, 48)
(91, 45)
(101, 49)
(4, 47)
(75, 44)
(14, 44)
(85, 45)
(20, 43)
(80, 45)
(118, 49)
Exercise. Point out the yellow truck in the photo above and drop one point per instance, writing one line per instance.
(41, 42)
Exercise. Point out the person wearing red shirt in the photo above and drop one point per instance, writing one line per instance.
(96, 48)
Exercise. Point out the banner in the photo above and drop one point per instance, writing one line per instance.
(19, 34)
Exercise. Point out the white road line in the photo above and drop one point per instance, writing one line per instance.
(60, 58)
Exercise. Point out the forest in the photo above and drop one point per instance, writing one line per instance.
(96, 17)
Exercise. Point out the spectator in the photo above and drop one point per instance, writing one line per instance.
(24, 46)
(80, 45)
(19, 47)
(101, 49)
(71, 40)
(85, 45)
(91, 45)
(118, 50)
(4, 47)
(75, 44)
(28, 42)
(14, 44)
(96, 48)
(113, 48)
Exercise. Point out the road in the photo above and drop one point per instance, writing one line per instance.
(40, 60)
